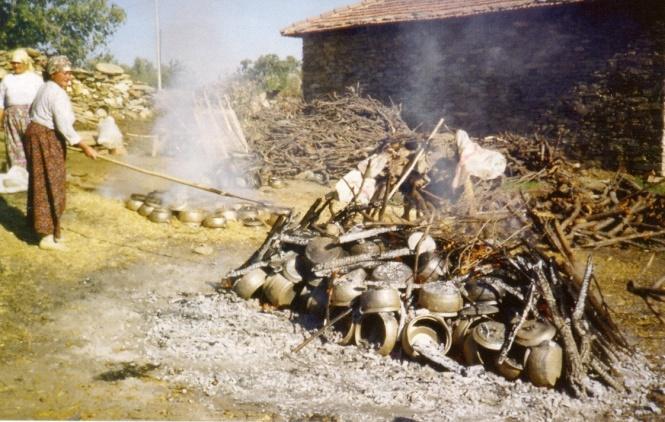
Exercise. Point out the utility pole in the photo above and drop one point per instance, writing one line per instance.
(158, 42)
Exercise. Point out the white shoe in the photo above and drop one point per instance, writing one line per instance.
(49, 243)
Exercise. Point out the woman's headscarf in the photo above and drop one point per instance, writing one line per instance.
(20, 55)
(58, 64)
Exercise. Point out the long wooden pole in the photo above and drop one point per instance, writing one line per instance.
(172, 178)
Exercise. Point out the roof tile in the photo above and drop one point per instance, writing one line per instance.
(376, 12)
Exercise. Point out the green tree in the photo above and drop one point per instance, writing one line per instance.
(74, 28)
(273, 74)
(145, 71)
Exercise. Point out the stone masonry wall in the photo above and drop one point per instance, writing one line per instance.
(591, 75)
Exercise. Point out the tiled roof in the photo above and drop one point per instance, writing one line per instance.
(377, 12)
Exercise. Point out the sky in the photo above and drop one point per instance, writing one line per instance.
(212, 36)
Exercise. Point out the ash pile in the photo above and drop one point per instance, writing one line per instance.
(387, 262)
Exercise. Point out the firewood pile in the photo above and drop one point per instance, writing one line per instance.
(494, 283)
(324, 137)
(577, 209)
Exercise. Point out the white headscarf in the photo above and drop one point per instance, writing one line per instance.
(20, 55)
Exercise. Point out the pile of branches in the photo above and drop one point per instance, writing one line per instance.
(326, 136)
(579, 210)
(522, 255)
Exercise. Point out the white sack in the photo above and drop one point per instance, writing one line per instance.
(377, 163)
(350, 184)
(476, 161)
(15, 180)
(109, 134)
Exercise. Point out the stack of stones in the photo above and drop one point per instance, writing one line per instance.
(109, 90)
(98, 92)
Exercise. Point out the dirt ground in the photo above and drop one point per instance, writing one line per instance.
(128, 324)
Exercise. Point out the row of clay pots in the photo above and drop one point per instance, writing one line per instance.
(151, 207)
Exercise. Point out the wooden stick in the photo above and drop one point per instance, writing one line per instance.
(321, 331)
(172, 178)
(609, 242)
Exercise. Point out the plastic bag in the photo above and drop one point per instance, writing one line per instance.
(476, 161)
(109, 134)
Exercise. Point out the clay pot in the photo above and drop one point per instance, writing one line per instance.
(544, 364)
(320, 250)
(290, 270)
(533, 333)
(333, 229)
(430, 268)
(489, 334)
(191, 216)
(230, 215)
(345, 292)
(509, 368)
(249, 283)
(425, 245)
(215, 221)
(133, 204)
(346, 326)
(367, 247)
(377, 331)
(471, 351)
(160, 215)
(443, 297)
(315, 300)
(478, 309)
(246, 213)
(155, 197)
(383, 299)
(482, 290)
(426, 327)
(146, 209)
(279, 291)
(252, 222)
(393, 273)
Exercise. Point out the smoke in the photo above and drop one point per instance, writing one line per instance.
(197, 136)
(200, 141)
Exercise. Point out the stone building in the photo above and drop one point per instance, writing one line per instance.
(588, 73)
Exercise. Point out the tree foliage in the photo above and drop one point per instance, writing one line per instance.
(275, 75)
(75, 28)
(145, 71)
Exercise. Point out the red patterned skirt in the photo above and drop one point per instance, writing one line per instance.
(46, 154)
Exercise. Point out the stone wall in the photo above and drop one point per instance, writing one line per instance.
(95, 93)
(591, 75)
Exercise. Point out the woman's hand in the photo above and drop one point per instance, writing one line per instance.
(88, 151)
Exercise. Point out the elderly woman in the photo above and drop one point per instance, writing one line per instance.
(17, 91)
(46, 139)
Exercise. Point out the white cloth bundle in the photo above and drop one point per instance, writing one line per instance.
(109, 135)
(15, 180)
(352, 184)
(476, 161)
